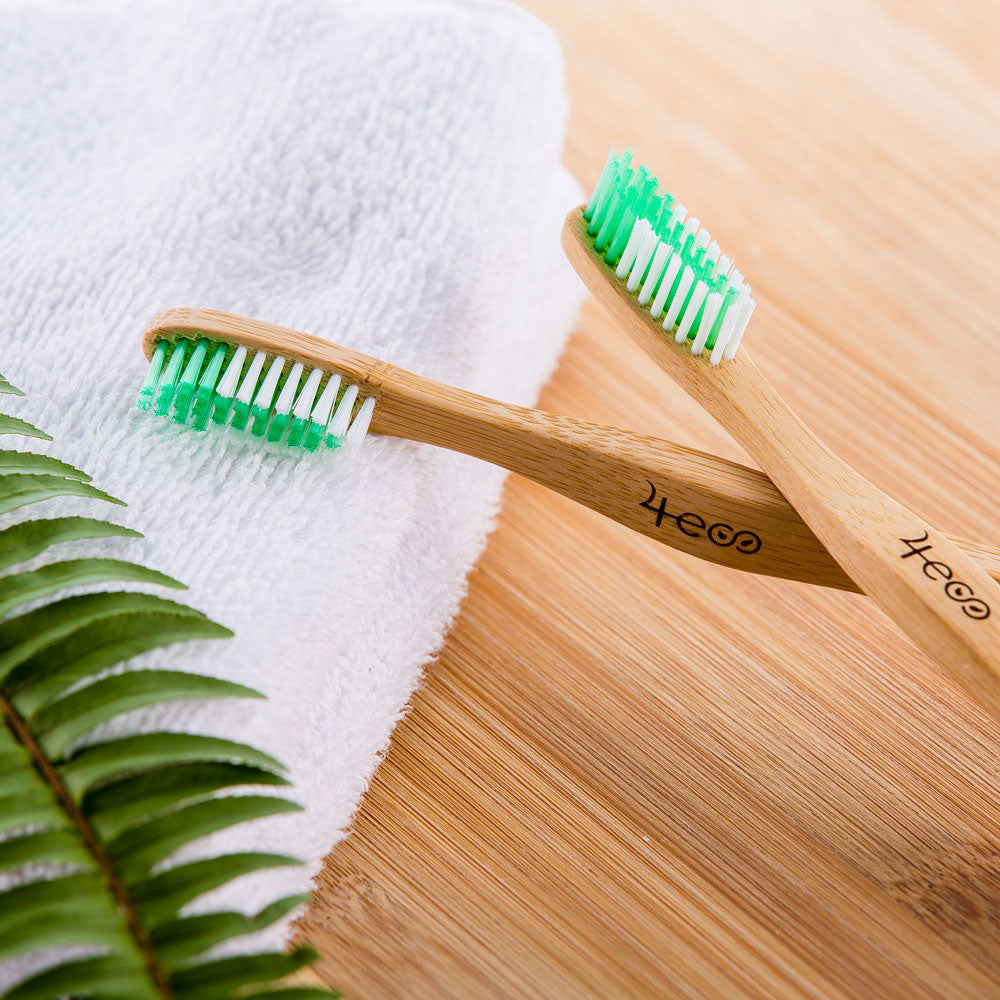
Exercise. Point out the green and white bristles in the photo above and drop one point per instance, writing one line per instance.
(198, 381)
(667, 260)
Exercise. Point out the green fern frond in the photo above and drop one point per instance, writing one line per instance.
(85, 820)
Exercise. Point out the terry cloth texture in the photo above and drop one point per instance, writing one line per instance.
(384, 174)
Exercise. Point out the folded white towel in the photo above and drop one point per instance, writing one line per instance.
(384, 174)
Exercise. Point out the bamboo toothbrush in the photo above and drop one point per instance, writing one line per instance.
(302, 393)
(664, 281)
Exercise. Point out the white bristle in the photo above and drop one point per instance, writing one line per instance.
(693, 305)
(687, 280)
(713, 251)
(635, 239)
(746, 311)
(267, 389)
(725, 332)
(227, 384)
(723, 265)
(691, 226)
(321, 412)
(303, 405)
(669, 277)
(642, 259)
(359, 427)
(712, 306)
(655, 270)
(342, 418)
(245, 393)
(677, 215)
(703, 239)
(287, 395)
(736, 277)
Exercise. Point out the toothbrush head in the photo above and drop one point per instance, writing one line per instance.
(667, 260)
(210, 371)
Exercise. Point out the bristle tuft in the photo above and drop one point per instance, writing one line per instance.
(197, 380)
(667, 260)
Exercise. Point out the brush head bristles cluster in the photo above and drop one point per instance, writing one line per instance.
(667, 260)
(198, 380)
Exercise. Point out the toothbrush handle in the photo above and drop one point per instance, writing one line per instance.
(945, 602)
(698, 503)
(939, 596)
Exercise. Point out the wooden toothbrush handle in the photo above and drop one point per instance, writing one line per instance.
(941, 597)
(699, 503)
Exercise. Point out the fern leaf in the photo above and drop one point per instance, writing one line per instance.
(29, 462)
(61, 930)
(63, 720)
(139, 848)
(212, 980)
(82, 826)
(28, 539)
(47, 898)
(30, 634)
(10, 390)
(109, 976)
(101, 762)
(31, 585)
(59, 847)
(178, 941)
(158, 897)
(13, 425)
(115, 806)
(19, 490)
(99, 644)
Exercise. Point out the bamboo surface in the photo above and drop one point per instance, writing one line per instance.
(634, 774)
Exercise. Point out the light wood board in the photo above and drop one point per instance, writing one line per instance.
(632, 774)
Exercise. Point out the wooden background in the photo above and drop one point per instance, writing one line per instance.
(631, 774)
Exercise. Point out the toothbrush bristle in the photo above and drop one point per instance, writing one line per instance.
(669, 262)
(194, 379)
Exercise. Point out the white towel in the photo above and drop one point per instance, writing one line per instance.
(384, 174)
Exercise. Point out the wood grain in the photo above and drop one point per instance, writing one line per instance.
(632, 773)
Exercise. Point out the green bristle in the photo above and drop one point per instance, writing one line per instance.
(241, 413)
(618, 181)
(220, 409)
(202, 408)
(168, 384)
(333, 442)
(314, 436)
(145, 398)
(296, 432)
(645, 185)
(602, 183)
(277, 427)
(188, 381)
(699, 262)
(627, 221)
(662, 223)
(609, 226)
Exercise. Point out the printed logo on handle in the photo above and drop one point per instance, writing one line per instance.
(693, 525)
(935, 569)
